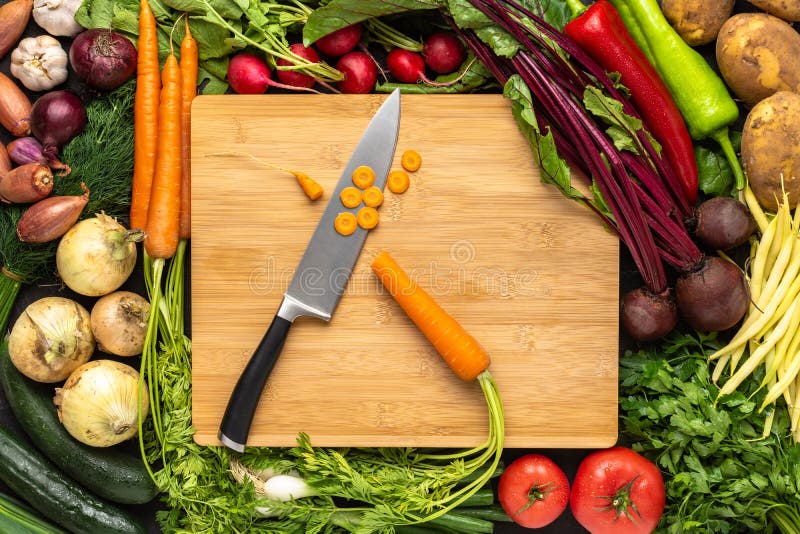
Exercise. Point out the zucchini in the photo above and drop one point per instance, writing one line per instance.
(16, 518)
(109, 473)
(31, 476)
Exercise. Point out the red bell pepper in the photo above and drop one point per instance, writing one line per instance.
(600, 32)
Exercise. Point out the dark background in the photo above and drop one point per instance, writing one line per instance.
(567, 459)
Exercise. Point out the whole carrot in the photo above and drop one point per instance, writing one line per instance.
(460, 350)
(145, 116)
(163, 212)
(188, 66)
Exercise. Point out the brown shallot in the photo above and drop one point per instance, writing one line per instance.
(25, 184)
(50, 218)
(14, 17)
(5, 160)
(15, 108)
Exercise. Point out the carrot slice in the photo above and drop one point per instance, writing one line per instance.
(350, 197)
(411, 160)
(398, 181)
(458, 349)
(373, 197)
(345, 223)
(363, 177)
(367, 218)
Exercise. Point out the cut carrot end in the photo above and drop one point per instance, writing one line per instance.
(398, 181)
(345, 223)
(373, 197)
(462, 353)
(350, 197)
(411, 160)
(310, 187)
(367, 218)
(363, 177)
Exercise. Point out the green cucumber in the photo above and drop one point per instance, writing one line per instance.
(110, 473)
(65, 502)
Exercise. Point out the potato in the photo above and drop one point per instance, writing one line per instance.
(758, 55)
(785, 9)
(771, 149)
(697, 21)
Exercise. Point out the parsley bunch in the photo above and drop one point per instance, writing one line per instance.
(721, 474)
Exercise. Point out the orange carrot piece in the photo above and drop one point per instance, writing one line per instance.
(189, 68)
(398, 181)
(145, 116)
(363, 177)
(411, 160)
(163, 214)
(367, 218)
(350, 197)
(373, 197)
(457, 348)
(310, 187)
(345, 223)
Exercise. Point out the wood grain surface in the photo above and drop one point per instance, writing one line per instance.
(533, 276)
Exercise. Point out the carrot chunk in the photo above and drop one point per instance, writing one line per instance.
(345, 223)
(411, 160)
(350, 197)
(363, 177)
(398, 181)
(367, 218)
(373, 197)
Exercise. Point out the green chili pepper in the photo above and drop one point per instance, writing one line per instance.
(700, 94)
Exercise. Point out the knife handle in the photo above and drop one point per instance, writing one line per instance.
(242, 404)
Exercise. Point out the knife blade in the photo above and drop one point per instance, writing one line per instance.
(321, 276)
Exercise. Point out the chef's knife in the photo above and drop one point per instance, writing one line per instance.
(320, 278)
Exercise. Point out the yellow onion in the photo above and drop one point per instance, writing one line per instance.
(50, 339)
(99, 403)
(97, 255)
(119, 323)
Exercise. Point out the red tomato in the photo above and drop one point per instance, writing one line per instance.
(617, 491)
(533, 490)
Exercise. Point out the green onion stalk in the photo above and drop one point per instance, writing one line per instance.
(102, 158)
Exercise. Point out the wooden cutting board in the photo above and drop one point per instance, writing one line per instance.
(533, 276)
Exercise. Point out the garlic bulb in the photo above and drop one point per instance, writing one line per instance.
(39, 63)
(99, 403)
(57, 17)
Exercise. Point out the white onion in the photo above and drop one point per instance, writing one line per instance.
(96, 256)
(119, 323)
(98, 404)
(50, 339)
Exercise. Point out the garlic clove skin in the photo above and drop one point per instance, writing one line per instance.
(39, 63)
(57, 17)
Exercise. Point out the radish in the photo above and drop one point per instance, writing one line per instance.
(248, 74)
(444, 52)
(406, 66)
(292, 77)
(360, 73)
(341, 41)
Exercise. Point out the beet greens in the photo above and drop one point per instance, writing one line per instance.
(577, 117)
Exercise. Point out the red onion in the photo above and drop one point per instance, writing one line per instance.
(56, 118)
(28, 150)
(102, 58)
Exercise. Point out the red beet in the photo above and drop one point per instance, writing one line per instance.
(714, 296)
(723, 223)
(646, 316)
